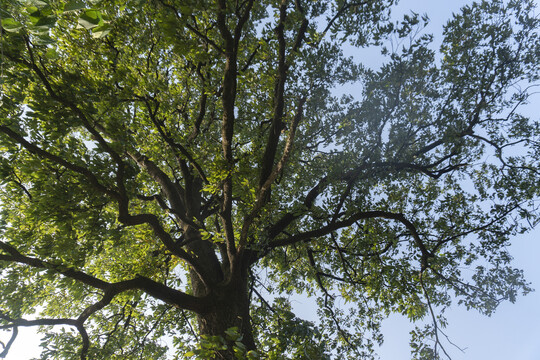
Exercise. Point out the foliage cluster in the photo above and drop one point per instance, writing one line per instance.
(167, 165)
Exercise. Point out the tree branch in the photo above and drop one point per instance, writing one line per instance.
(288, 218)
(7, 346)
(339, 13)
(265, 188)
(279, 100)
(303, 27)
(333, 226)
(173, 192)
(194, 30)
(66, 102)
(352, 177)
(34, 149)
(227, 127)
(176, 147)
(151, 287)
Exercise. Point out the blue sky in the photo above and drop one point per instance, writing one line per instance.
(513, 332)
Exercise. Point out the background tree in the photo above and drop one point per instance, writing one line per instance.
(172, 169)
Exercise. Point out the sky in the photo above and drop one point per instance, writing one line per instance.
(513, 332)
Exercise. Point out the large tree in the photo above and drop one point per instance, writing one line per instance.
(177, 169)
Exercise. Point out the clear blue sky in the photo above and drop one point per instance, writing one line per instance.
(513, 332)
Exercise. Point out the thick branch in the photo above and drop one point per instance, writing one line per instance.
(165, 238)
(333, 226)
(7, 346)
(262, 195)
(227, 127)
(279, 100)
(151, 287)
(288, 218)
(200, 117)
(241, 22)
(173, 192)
(352, 177)
(303, 27)
(34, 149)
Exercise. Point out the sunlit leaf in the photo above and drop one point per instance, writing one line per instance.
(11, 25)
(90, 19)
(101, 31)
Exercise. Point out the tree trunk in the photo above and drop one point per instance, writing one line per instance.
(230, 308)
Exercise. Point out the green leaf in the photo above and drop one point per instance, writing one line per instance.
(51, 54)
(43, 39)
(186, 10)
(90, 19)
(101, 31)
(11, 25)
(74, 5)
(232, 333)
(34, 14)
(45, 22)
(39, 3)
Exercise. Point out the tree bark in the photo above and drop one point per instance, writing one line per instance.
(229, 308)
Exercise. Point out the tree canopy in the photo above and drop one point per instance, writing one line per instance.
(176, 170)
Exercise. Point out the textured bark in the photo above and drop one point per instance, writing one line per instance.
(229, 308)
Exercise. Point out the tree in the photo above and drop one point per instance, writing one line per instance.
(176, 169)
